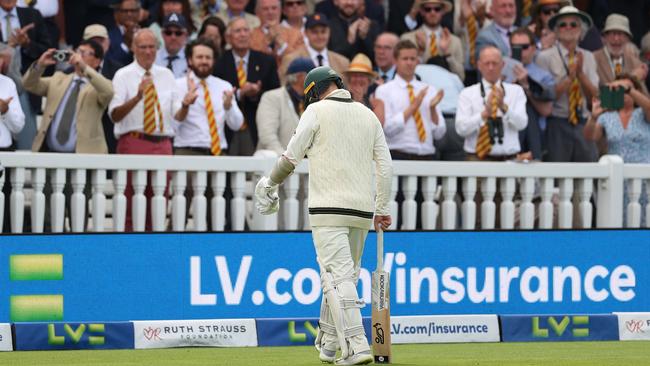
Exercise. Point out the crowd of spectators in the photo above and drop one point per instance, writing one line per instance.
(453, 80)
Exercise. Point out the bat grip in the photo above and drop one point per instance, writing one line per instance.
(380, 249)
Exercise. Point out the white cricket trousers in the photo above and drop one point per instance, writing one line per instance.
(339, 250)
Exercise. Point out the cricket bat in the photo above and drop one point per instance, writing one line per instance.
(381, 306)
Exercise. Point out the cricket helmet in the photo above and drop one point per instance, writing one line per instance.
(317, 81)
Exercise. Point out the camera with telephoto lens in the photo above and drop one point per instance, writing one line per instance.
(61, 55)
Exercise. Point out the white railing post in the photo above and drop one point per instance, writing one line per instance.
(17, 200)
(565, 207)
(633, 208)
(199, 202)
(78, 201)
(238, 203)
(610, 193)
(527, 209)
(98, 178)
(38, 200)
(139, 201)
(585, 190)
(468, 207)
(409, 206)
(488, 207)
(507, 207)
(179, 203)
(449, 204)
(429, 208)
(119, 200)
(158, 201)
(290, 206)
(218, 204)
(57, 200)
(546, 206)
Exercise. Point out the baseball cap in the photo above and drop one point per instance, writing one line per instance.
(301, 64)
(316, 19)
(174, 20)
(95, 30)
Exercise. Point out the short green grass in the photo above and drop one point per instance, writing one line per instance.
(570, 353)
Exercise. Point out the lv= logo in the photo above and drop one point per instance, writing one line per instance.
(36, 307)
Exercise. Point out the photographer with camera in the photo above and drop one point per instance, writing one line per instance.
(627, 129)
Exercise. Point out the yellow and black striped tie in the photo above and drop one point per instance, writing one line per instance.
(575, 96)
(526, 5)
(483, 144)
(419, 124)
(151, 106)
(433, 45)
(472, 32)
(241, 73)
(215, 145)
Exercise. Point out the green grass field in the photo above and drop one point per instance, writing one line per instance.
(570, 353)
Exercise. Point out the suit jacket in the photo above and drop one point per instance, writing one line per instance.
(91, 104)
(456, 53)
(489, 35)
(276, 120)
(339, 38)
(39, 39)
(337, 62)
(260, 67)
(373, 11)
(115, 52)
(292, 37)
(605, 74)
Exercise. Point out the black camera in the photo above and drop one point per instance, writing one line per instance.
(495, 129)
(61, 55)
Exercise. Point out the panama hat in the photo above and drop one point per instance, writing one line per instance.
(361, 64)
(445, 4)
(567, 11)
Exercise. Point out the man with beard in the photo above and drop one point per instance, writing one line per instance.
(351, 31)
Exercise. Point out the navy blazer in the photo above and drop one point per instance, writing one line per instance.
(39, 39)
(115, 52)
(261, 67)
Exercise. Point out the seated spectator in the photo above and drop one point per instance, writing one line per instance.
(542, 12)
(271, 37)
(368, 8)
(172, 54)
(281, 108)
(252, 73)
(627, 130)
(10, 66)
(504, 14)
(360, 77)
(295, 16)
(412, 117)
(539, 86)
(236, 9)
(68, 124)
(352, 32)
(384, 56)
(618, 56)
(318, 36)
(168, 7)
(214, 29)
(11, 113)
(126, 13)
(435, 43)
(576, 80)
(491, 113)
(645, 56)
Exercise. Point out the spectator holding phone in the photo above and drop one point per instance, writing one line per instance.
(627, 130)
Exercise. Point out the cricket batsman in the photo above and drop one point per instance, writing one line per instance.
(347, 153)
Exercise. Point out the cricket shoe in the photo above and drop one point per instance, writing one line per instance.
(361, 358)
(327, 356)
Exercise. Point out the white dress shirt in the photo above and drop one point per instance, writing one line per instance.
(12, 122)
(194, 131)
(403, 135)
(313, 55)
(15, 22)
(71, 144)
(179, 65)
(125, 87)
(469, 121)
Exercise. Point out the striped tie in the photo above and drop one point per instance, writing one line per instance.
(472, 31)
(241, 74)
(215, 145)
(526, 5)
(618, 69)
(151, 105)
(433, 46)
(575, 97)
(483, 144)
(422, 134)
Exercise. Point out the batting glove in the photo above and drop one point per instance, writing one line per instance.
(267, 200)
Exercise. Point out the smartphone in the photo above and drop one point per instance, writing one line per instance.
(611, 99)
(516, 53)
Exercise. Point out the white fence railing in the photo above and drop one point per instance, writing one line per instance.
(427, 195)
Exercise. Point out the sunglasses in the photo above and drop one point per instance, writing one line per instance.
(428, 9)
(521, 46)
(170, 33)
(293, 3)
(550, 10)
(568, 24)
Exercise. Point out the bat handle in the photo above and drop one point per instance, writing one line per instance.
(380, 249)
